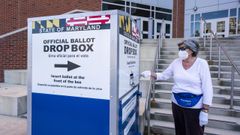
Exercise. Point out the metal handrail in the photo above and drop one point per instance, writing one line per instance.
(25, 28)
(233, 65)
(152, 83)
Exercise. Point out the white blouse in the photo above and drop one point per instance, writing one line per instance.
(196, 80)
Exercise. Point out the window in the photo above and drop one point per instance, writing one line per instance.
(140, 12)
(145, 35)
(197, 29)
(221, 26)
(140, 6)
(163, 10)
(239, 21)
(167, 28)
(111, 7)
(232, 26)
(192, 29)
(158, 27)
(153, 22)
(116, 1)
(208, 27)
(145, 25)
(163, 16)
(139, 9)
(192, 18)
(233, 12)
(215, 14)
(195, 25)
(197, 17)
(128, 10)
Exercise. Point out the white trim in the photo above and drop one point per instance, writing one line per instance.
(130, 6)
(212, 5)
(13, 32)
(115, 4)
(25, 28)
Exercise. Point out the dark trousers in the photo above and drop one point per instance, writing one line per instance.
(186, 121)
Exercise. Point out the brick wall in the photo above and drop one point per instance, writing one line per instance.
(14, 14)
(178, 18)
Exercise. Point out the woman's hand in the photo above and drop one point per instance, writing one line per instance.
(203, 118)
(149, 73)
(146, 73)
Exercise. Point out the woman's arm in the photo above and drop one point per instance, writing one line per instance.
(207, 87)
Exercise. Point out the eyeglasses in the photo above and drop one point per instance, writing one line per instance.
(182, 48)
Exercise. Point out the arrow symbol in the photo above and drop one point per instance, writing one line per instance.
(70, 66)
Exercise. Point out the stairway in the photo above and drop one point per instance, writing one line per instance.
(222, 120)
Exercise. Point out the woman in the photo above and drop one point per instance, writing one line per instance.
(192, 91)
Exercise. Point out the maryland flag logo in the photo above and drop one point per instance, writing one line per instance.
(47, 24)
(125, 23)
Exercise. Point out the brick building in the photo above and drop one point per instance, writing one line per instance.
(14, 14)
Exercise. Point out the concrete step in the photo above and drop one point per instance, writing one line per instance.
(147, 52)
(215, 62)
(222, 44)
(217, 98)
(216, 81)
(216, 109)
(207, 46)
(223, 68)
(225, 74)
(201, 52)
(167, 128)
(13, 99)
(207, 57)
(215, 121)
(18, 77)
(214, 49)
(149, 41)
(227, 48)
(226, 62)
(172, 48)
(212, 67)
(214, 73)
(216, 88)
(170, 43)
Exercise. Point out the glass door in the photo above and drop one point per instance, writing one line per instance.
(221, 28)
(157, 30)
(168, 30)
(144, 27)
(218, 26)
(164, 27)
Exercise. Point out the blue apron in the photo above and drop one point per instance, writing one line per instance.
(187, 99)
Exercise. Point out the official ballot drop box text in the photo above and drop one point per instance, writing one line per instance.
(83, 74)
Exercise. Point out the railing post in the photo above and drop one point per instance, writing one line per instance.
(204, 34)
(204, 40)
(232, 88)
(219, 61)
(150, 27)
(211, 48)
(151, 92)
(148, 119)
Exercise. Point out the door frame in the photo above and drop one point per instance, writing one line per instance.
(213, 23)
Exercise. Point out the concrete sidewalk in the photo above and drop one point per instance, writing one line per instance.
(13, 125)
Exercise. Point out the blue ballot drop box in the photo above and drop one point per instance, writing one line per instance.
(83, 74)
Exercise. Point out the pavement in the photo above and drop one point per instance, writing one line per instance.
(13, 125)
